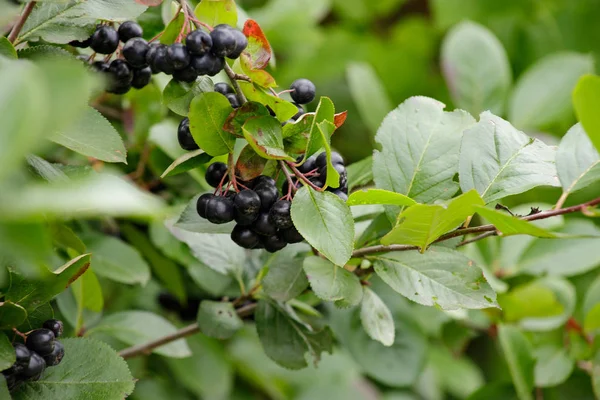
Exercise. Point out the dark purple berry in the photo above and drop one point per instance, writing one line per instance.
(121, 71)
(82, 44)
(233, 100)
(268, 195)
(184, 136)
(141, 77)
(105, 40)
(161, 63)
(35, 366)
(188, 74)
(178, 56)
(215, 173)
(219, 210)
(135, 51)
(263, 226)
(264, 180)
(273, 243)
(208, 64)
(151, 56)
(304, 91)
(341, 194)
(279, 214)
(198, 42)
(291, 235)
(300, 112)
(56, 356)
(100, 66)
(223, 88)
(223, 41)
(55, 326)
(41, 341)
(244, 237)
(241, 42)
(129, 30)
(247, 202)
(336, 158)
(308, 165)
(202, 203)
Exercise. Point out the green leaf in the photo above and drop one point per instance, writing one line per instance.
(591, 323)
(11, 315)
(586, 100)
(239, 116)
(6, 48)
(510, 225)
(284, 110)
(88, 292)
(332, 283)
(190, 221)
(422, 224)
(249, 164)
(497, 160)
(419, 150)
(186, 162)
(7, 352)
(542, 96)
(319, 138)
(368, 94)
(285, 339)
(215, 12)
(286, 278)
(208, 113)
(138, 327)
(264, 135)
(326, 129)
(116, 260)
(77, 377)
(440, 276)
(577, 161)
(170, 34)
(476, 68)
(46, 170)
(360, 173)
(553, 366)
(218, 319)
(460, 376)
(258, 53)
(376, 318)
(518, 355)
(93, 136)
(378, 196)
(330, 229)
(178, 95)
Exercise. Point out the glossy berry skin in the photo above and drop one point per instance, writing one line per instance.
(188, 74)
(263, 226)
(41, 341)
(244, 219)
(178, 56)
(35, 366)
(223, 88)
(241, 42)
(198, 42)
(184, 136)
(301, 112)
(135, 51)
(268, 195)
(264, 180)
(291, 235)
(215, 173)
(304, 91)
(244, 237)
(336, 158)
(202, 203)
(247, 202)
(105, 40)
(308, 165)
(273, 243)
(279, 214)
(151, 56)
(224, 42)
(141, 77)
(100, 66)
(341, 194)
(22, 355)
(208, 64)
(56, 356)
(82, 44)
(129, 30)
(120, 71)
(233, 100)
(219, 210)
(55, 326)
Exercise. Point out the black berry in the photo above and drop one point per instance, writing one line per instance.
(151, 56)
(273, 243)
(223, 88)
(308, 165)
(208, 64)
(188, 74)
(184, 136)
(129, 30)
(291, 235)
(198, 42)
(55, 326)
(300, 112)
(219, 210)
(241, 42)
(244, 219)
(268, 195)
(279, 214)
(161, 63)
(178, 56)
(264, 180)
(303, 91)
(121, 71)
(341, 194)
(244, 237)
(141, 77)
(56, 356)
(35, 366)
(247, 202)
(215, 173)
(263, 226)
(82, 44)
(135, 51)
(336, 158)
(41, 341)
(233, 100)
(224, 42)
(105, 40)
(202, 203)
(100, 67)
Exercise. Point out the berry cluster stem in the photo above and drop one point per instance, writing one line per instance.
(14, 33)
(303, 178)
(292, 187)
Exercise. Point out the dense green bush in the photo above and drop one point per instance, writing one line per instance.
(462, 265)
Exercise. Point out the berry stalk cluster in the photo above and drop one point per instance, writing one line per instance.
(41, 350)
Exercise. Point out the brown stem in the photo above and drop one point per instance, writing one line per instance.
(477, 238)
(303, 178)
(292, 186)
(14, 33)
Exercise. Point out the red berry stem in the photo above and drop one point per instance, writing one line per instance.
(303, 178)
(291, 185)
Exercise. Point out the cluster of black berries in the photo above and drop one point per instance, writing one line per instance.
(315, 169)
(41, 350)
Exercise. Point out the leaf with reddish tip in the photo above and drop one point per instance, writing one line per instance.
(240, 115)
(258, 76)
(339, 119)
(249, 164)
(259, 50)
(264, 135)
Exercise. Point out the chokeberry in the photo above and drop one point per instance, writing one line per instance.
(55, 326)
(129, 30)
(56, 356)
(273, 243)
(151, 56)
(82, 44)
(291, 235)
(279, 214)
(208, 64)
(120, 71)
(303, 91)
(336, 158)
(184, 136)
(308, 165)
(300, 112)
(22, 355)
(264, 180)
(141, 77)
(223, 41)
(219, 210)
(41, 341)
(216, 173)
(233, 100)
(135, 51)
(341, 194)
(241, 42)
(35, 366)
(100, 66)
(178, 56)
(263, 226)
(202, 203)
(244, 219)
(188, 74)
(247, 202)
(223, 88)
(244, 237)
(340, 168)
(105, 40)
(268, 195)
(198, 42)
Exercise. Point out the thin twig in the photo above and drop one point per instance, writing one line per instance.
(303, 178)
(14, 33)
(292, 186)
(477, 238)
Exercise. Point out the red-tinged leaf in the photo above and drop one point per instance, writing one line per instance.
(149, 3)
(259, 76)
(339, 119)
(258, 49)
(240, 115)
(249, 164)
(264, 135)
